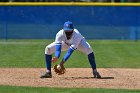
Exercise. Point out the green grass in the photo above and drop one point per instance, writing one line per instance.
(108, 53)
(30, 53)
(15, 89)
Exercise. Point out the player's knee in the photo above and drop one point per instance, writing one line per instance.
(88, 51)
(48, 50)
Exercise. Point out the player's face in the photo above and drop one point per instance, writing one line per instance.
(68, 34)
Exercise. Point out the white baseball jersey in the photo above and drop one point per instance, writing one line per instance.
(72, 42)
(77, 41)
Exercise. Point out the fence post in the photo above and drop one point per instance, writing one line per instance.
(5, 22)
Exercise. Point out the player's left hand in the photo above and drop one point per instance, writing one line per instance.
(59, 69)
(54, 59)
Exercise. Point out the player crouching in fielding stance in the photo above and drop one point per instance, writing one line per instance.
(68, 39)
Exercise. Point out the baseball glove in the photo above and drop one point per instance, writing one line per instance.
(59, 69)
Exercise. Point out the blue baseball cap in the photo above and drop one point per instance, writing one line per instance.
(68, 26)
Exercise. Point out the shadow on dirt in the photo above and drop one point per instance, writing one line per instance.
(107, 78)
(88, 78)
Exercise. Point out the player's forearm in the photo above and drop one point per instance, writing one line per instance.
(68, 54)
(58, 51)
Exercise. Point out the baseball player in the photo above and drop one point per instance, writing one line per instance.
(71, 40)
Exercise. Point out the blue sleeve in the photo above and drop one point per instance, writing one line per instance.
(68, 54)
(58, 51)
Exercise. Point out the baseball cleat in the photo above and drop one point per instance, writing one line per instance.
(96, 74)
(46, 75)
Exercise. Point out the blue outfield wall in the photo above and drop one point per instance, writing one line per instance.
(94, 22)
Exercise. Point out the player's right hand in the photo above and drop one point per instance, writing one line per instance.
(54, 59)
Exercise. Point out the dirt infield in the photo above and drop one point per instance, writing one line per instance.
(74, 78)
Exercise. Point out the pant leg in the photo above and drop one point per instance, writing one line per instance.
(50, 49)
(86, 48)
